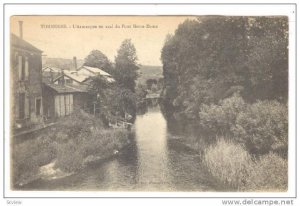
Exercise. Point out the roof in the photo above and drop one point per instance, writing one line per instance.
(53, 69)
(22, 44)
(61, 89)
(95, 70)
(76, 76)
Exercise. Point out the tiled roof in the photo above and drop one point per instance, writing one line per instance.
(22, 44)
(68, 88)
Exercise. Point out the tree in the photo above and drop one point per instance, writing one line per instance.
(210, 57)
(126, 67)
(97, 59)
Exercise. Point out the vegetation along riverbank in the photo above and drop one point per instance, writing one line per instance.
(66, 148)
(227, 79)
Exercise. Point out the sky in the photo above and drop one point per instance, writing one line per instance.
(65, 37)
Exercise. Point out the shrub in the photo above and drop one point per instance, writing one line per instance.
(233, 167)
(263, 127)
(82, 135)
(219, 119)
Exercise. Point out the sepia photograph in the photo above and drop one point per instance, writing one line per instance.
(149, 103)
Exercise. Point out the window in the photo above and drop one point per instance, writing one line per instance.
(22, 106)
(38, 105)
(69, 81)
(23, 68)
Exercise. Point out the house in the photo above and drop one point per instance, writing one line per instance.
(69, 90)
(50, 73)
(62, 99)
(94, 71)
(71, 77)
(26, 82)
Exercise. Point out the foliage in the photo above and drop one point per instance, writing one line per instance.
(126, 65)
(263, 127)
(28, 156)
(234, 168)
(97, 59)
(69, 143)
(121, 101)
(86, 137)
(219, 119)
(207, 58)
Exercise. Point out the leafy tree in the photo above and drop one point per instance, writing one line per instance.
(210, 57)
(126, 65)
(97, 59)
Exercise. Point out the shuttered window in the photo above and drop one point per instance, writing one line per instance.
(27, 107)
(23, 68)
(20, 67)
(38, 106)
(26, 72)
(21, 105)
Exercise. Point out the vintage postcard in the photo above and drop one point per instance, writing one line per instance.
(158, 104)
(149, 103)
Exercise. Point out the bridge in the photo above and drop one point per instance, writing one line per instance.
(152, 99)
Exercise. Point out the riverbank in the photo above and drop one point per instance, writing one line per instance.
(64, 149)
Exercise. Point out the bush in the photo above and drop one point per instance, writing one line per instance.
(80, 136)
(233, 167)
(219, 119)
(228, 162)
(270, 173)
(69, 142)
(263, 127)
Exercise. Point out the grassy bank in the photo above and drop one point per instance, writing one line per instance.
(244, 145)
(73, 142)
(237, 170)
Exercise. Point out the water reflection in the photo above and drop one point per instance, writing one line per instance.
(151, 133)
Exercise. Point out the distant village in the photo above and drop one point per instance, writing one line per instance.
(44, 94)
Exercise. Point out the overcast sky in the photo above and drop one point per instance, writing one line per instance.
(74, 41)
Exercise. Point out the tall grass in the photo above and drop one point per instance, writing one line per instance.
(234, 168)
(228, 162)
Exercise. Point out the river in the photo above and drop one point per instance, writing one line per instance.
(154, 161)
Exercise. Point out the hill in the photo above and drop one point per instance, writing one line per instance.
(149, 72)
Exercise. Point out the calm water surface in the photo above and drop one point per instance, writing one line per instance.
(154, 161)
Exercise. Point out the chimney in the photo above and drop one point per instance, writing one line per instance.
(21, 29)
(74, 63)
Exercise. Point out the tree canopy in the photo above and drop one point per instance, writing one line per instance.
(211, 57)
(126, 65)
(97, 59)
